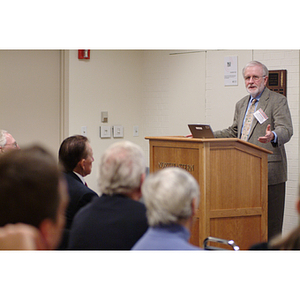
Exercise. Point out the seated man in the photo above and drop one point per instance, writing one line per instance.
(288, 241)
(171, 197)
(116, 220)
(76, 157)
(33, 192)
(7, 142)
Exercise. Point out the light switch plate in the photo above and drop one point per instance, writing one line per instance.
(135, 130)
(118, 131)
(83, 130)
(105, 132)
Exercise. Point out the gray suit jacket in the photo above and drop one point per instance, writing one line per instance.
(275, 106)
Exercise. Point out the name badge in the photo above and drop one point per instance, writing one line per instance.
(260, 116)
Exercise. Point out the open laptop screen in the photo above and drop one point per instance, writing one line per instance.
(201, 131)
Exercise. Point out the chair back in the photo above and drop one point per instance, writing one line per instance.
(211, 239)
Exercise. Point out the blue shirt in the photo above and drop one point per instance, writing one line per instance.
(165, 237)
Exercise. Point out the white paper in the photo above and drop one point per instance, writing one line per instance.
(230, 70)
(260, 116)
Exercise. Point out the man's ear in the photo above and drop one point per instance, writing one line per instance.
(47, 229)
(138, 192)
(143, 177)
(81, 163)
(194, 206)
(80, 166)
(298, 206)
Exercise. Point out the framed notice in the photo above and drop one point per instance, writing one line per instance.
(277, 81)
(230, 70)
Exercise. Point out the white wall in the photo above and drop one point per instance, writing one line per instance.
(221, 99)
(30, 96)
(173, 92)
(162, 91)
(110, 81)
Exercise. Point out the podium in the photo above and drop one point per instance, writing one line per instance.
(233, 179)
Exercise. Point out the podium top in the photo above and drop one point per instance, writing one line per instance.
(214, 140)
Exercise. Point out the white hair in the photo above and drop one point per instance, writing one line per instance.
(168, 196)
(121, 168)
(3, 140)
(256, 63)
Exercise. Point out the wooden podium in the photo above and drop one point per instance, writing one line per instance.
(233, 179)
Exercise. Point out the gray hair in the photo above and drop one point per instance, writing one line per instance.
(168, 196)
(256, 63)
(121, 168)
(3, 138)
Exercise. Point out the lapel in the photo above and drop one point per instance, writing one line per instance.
(72, 174)
(262, 103)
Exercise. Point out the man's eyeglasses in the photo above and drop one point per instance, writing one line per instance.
(254, 78)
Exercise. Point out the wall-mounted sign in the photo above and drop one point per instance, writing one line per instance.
(230, 70)
(277, 81)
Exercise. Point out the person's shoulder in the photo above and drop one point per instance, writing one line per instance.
(137, 207)
(88, 208)
(89, 191)
(138, 204)
(241, 101)
(274, 95)
(129, 201)
(260, 246)
(72, 178)
(74, 183)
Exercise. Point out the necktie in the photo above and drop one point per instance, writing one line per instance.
(248, 121)
(85, 184)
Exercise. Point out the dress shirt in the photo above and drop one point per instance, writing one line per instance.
(80, 177)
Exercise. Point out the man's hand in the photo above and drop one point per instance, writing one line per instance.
(268, 137)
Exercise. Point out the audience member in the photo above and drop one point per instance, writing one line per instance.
(34, 192)
(76, 157)
(289, 241)
(116, 220)
(7, 142)
(171, 197)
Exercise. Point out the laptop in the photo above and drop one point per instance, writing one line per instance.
(201, 131)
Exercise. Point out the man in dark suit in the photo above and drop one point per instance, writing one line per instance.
(76, 157)
(271, 128)
(116, 220)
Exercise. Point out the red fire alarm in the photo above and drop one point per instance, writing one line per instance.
(83, 54)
